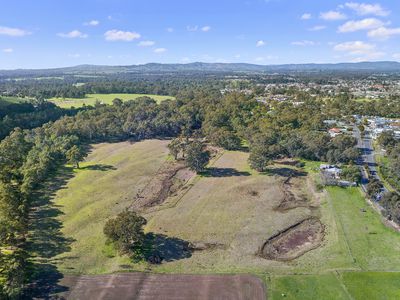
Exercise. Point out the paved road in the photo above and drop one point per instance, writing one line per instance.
(367, 157)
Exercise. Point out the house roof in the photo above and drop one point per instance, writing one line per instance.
(335, 130)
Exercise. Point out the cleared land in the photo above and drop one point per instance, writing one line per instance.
(149, 286)
(91, 99)
(227, 215)
(218, 222)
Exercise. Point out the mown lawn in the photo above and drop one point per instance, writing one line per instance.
(372, 285)
(300, 287)
(374, 246)
(91, 99)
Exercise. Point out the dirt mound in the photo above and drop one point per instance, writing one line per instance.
(291, 199)
(294, 241)
(167, 182)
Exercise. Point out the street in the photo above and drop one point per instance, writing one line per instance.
(364, 143)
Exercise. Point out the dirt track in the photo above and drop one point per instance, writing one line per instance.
(159, 286)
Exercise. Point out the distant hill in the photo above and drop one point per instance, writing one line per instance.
(383, 66)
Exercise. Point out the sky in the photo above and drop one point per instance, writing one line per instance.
(58, 33)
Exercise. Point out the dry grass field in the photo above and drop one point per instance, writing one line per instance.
(232, 211)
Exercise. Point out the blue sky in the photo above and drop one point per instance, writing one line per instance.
(56, 33)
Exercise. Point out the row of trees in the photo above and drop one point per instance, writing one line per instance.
(26, 159)
(391, 171)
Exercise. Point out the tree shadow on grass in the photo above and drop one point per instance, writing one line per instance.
(285, 172)
(165, 248)
(45, 237)
(99, 167)
(223, 172)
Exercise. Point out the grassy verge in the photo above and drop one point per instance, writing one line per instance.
(373, 245)
(390, 182)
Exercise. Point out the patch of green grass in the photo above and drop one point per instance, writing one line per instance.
(392, 183)
(372, 285)
(91, 99)
(4, 101)
(372, 245)
(316, 287)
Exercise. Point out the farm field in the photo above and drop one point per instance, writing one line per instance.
(226, 215)
(4, 101)
(161, 286)
(91, 99)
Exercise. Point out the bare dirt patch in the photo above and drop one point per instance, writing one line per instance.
(201, 246)
(294, 241)
(162, 286)
(293, 196)
(167, 182)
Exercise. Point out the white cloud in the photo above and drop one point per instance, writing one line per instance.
(396, 56)
(73, 34)
(146, 43)
(206, 28)
(8, 50)
(260, 43)
(303, 43)
(383, 33)
(160, 50)
(170, 29)
(75, 55)
(237, 56)
(365, 24)
(119, 35)
(13, 31)
(192, 28)
(360, 51)
(92, 23)
(363, 9)
(317, 28)
(332, 16)
(355, 48)
(306, 16)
